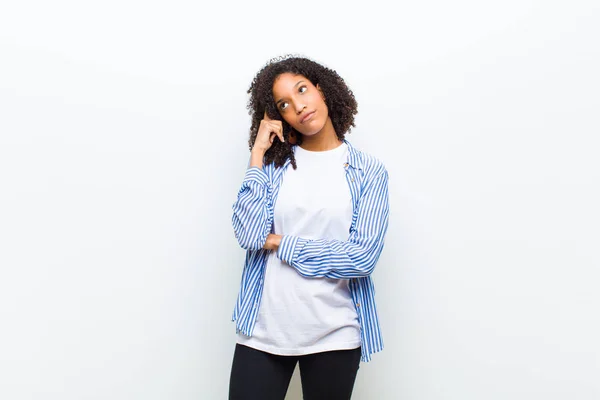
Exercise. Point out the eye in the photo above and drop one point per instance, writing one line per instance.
(301, 89)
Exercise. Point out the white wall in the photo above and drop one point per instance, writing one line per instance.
(124, 141)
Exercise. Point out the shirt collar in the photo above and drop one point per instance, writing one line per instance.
(353, 158)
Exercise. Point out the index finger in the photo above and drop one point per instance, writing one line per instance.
(266, 116)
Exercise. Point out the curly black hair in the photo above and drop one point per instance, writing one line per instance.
(340, 101)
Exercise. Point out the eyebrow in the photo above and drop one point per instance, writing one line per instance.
(280, 100)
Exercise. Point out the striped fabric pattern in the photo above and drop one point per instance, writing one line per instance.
(353, 259)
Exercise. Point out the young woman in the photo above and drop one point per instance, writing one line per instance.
(312, 213)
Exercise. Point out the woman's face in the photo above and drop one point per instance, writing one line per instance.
(300, 103)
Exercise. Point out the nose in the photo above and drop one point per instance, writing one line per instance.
(300, 108)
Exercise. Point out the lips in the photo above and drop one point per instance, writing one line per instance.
(307, 116)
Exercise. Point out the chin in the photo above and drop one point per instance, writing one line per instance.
(312, 132)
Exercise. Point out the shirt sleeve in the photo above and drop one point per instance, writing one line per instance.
(353, 258)
(253, 210)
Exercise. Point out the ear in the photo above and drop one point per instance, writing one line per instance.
(292, 138)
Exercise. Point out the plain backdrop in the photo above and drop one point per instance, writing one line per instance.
(123, 142)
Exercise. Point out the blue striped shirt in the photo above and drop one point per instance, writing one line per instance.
(353, 259)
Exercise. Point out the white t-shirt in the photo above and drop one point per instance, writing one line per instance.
(300, 315)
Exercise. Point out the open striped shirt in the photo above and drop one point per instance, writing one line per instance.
(353, 259)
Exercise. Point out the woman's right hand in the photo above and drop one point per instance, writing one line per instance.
(268, 129)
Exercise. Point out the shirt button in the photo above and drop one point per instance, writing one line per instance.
(345, 165)
(352, 179)
(357, 304)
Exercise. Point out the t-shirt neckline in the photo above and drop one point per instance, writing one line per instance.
(323, 152)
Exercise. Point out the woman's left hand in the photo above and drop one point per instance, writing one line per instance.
(272, 242)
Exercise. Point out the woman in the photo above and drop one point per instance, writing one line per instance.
(313, 235)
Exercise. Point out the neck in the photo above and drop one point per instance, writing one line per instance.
(325, 139)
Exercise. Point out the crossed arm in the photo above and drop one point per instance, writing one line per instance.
(351, 258)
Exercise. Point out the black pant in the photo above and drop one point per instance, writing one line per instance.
(257, 375)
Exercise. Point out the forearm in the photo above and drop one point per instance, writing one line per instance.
(256, 158)
(331, 258)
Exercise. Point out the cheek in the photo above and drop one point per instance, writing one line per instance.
(319, 100)
(286, 118)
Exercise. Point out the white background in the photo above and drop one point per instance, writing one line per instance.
(124, 141)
